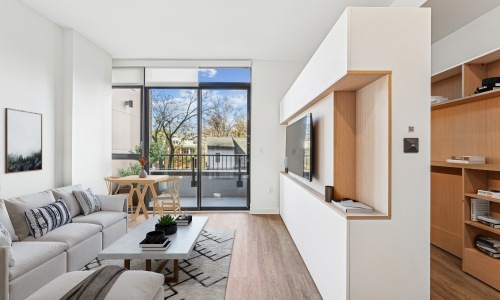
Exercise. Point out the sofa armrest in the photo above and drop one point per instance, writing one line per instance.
(113, 202)
(4, 272)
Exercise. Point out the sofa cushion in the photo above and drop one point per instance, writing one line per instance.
(16, 207)
(88, 201)
(103, 218)
(5, 220)
(131, 285)
(66, 194)
(32, 254)
(70, 234)
(6, 241)
(47, 218)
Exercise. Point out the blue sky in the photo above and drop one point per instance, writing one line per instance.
(224, 75)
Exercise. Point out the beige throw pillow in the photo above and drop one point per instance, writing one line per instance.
(16, 207)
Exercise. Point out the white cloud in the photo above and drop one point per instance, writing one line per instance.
(210, 73)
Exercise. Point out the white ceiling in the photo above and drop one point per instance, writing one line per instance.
(450, 15)
(227, 29)
(201, 29)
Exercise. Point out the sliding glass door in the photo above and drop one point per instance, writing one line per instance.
(202, 135)
(224, 143)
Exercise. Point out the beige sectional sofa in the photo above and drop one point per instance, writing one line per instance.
(64, 249)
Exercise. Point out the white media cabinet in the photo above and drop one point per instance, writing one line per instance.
(365, 85)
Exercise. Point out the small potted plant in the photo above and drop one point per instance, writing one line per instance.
(166, 224)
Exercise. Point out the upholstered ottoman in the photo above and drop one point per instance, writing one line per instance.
(131, 285)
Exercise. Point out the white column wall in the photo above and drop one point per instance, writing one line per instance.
(30, 80)
(88, 110)
(270, 81)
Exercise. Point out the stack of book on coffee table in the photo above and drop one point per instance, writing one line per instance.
(183, 220)
(155, 246)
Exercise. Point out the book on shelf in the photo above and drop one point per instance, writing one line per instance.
(183, 220)
(489, 193)
(167, 244)
(491, 249)
(492, 220)
(479, 207)
(490, 242)
(467, 159)
(496, 226)
(160, 244)
(484, 246)
(491, 254)
(352, 206)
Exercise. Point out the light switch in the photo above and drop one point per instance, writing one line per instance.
(410, 145)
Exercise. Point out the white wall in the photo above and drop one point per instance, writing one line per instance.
(270, 81)
(88, 113)
(30, 79)
(470, 41)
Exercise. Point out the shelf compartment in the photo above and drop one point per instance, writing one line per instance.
(471, 195)
(468, 99)
(483, 227)
(476, 262)
(484, 167)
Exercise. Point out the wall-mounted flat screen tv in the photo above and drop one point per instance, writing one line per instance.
(300, 147)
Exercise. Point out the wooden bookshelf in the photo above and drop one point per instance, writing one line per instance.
(468, 99)
(467, 124)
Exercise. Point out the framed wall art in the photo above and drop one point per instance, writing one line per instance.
(23, 141)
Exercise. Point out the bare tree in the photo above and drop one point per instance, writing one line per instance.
(222, 118)
(174, 117)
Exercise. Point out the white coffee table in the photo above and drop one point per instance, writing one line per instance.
(183, 242)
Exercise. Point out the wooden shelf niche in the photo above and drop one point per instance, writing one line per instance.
(362, 140)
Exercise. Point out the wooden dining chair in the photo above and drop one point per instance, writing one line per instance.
(169, 199)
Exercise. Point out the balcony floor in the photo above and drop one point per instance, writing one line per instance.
(214, 202)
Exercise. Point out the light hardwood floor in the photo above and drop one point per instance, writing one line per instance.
(266, 264)
(448, 281)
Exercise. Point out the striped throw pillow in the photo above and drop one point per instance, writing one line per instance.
(46, 218)
(88, 201)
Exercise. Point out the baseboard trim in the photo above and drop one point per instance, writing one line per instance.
(265, 211)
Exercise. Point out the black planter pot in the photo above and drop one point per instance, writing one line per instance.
(167, 229)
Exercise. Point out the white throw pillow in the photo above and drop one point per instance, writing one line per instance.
(88, 201)
(6, 240)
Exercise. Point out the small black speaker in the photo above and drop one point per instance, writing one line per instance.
(328, 193)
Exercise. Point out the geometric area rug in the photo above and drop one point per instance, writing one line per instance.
(202, 276)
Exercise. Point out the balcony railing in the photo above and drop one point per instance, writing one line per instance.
(215, 162)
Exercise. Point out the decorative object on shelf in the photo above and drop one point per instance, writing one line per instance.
(328, 193)
(352, 206)
(478, 208)
(23, 140)
(488, 84)
(166, 224)
(466, 160)
(143, 161)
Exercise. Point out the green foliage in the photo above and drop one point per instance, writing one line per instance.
(166, 220)
(18, 163)
(156, 152)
